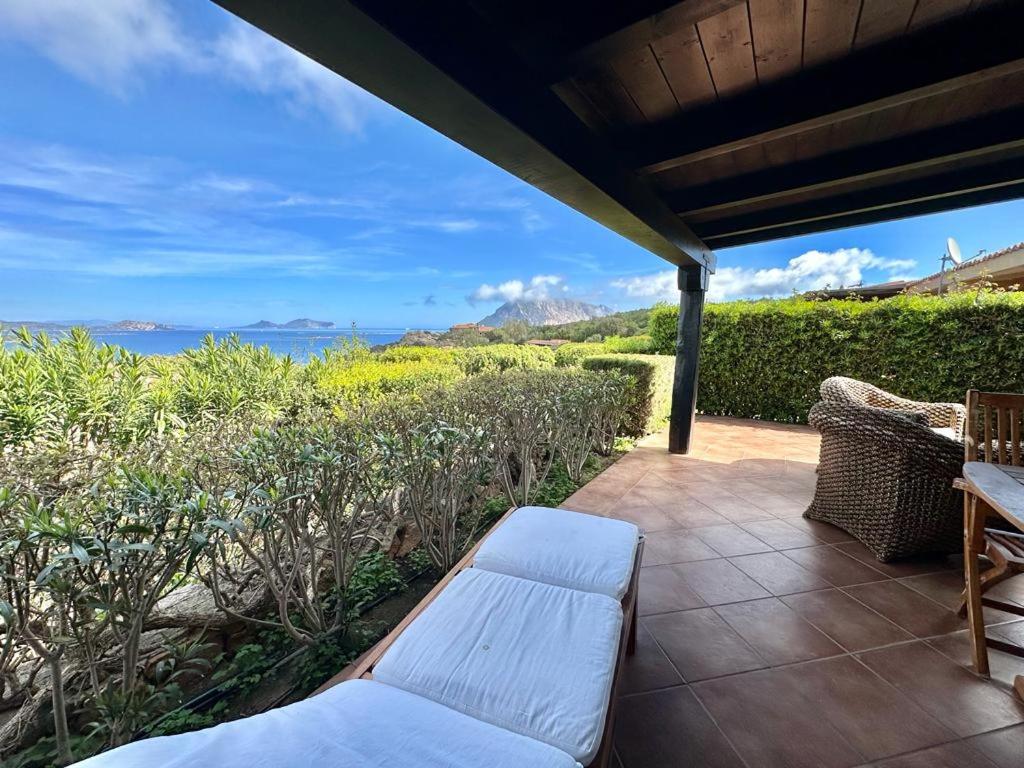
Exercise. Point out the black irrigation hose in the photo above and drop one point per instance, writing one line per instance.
(213, 695)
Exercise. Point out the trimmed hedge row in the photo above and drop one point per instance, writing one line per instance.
(575, 353)
(649, 399)
(766, 359)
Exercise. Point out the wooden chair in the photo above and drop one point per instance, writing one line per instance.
(992, 434)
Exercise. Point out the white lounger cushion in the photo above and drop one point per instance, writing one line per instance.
(357, 724)
(528, 657)
(567, 549)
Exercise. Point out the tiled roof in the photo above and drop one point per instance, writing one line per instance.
(979, 260)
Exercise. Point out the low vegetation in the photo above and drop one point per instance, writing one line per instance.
(211, 516)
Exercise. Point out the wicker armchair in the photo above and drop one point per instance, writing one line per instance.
(941, 416)
(885, 475)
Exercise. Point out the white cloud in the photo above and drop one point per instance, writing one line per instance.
(108, 43)
(260, 63)
(808, 271)
(514, 290)
(115, 44)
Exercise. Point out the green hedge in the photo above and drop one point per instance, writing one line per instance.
(661, 328)
(632, 345)
(369, 379)
(766, 359)
(575, 353)
(496, 358)
(650, 394)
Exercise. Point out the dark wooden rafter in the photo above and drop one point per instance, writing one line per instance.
(973, 185)
(987, 136)
(948, 56)
(463, 79)
(608, 30)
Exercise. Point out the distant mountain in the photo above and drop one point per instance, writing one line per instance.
(302, 322)
(97, 326)
(545, 312)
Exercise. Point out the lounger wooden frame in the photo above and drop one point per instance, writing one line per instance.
(363, 667)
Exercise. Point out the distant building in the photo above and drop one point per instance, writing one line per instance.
(471, 327)
(1003, 268)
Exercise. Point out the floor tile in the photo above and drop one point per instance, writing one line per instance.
(1003, 667)
(851, 624)
(909, 609)
(732, 507)
(719, 581)
(836, 568)
(778, 574)
(957, 754)
(780, 535)
(675, 546)
(701, 644)
(771, 724)
(730, 540)
(663, 590)
(823, 532)
(637, 510)
(1005, 748)
(909, 567)
(684, 735)
(777, 633)
(873, 716)
(964, 703)
(649, 668)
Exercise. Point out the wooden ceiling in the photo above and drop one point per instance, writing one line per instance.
(700, 124)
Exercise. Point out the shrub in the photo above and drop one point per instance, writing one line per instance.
(661, 327)
(766, 359)
(415, 354)
(502, 357)
(367, 380)
(649, 394)
(574, 353)
(636, 345)
(443, 458)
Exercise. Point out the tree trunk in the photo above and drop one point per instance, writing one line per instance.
(60, 713)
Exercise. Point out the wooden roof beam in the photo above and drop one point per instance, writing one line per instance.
(988, 135)
(983, 46)
(612, 29)
(999, 181)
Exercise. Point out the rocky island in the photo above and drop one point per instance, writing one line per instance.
(302, 323)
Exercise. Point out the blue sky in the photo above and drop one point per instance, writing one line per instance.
(165, 161)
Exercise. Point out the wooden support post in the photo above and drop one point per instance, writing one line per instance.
(693, 282)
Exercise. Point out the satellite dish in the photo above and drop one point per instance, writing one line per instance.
(954, 251)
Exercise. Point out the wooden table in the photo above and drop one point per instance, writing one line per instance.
(989, 490)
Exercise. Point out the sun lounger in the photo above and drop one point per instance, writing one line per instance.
(358, 724)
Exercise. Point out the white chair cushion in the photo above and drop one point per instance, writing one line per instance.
(945, 432)
(528, 657)
(567, 549)
(357, 724)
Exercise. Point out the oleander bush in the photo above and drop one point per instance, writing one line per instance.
(146, 502)
(648, 399)
(766, 359)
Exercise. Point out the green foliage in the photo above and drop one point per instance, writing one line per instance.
(373, 379)
(649, 394)
(619, 324)
(416, 354)
(662, 328)
(574, 353)
(631, 345)
(766, 359)
(498, 358)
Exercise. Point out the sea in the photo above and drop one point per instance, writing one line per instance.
(300, 344)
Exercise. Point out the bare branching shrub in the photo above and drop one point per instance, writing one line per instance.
(443, 457)
(591, 408)
(311, 500)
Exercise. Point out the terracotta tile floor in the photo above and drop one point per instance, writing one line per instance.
(769, 640)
